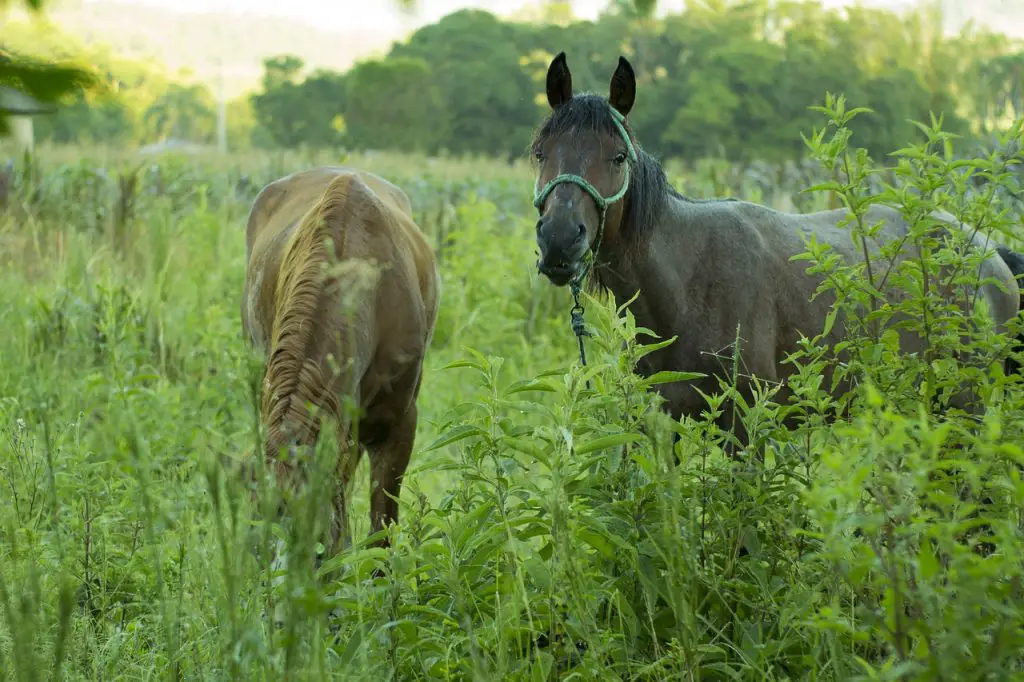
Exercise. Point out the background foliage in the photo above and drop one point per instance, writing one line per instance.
(40, 83)
(728, 79)
(549, 531)
(546, 529)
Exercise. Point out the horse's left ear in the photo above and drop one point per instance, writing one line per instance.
(559, 82)
(622, 93)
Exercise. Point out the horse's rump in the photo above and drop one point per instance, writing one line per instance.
(825, 227)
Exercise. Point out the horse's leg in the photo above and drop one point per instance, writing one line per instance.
(349, 454)
(340, 533)
(388, 462)
(290, 475)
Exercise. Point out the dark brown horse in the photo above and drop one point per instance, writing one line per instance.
(341, 294)
(703, 269)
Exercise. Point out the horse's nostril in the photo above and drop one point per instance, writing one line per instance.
(539, 223)
(582, 229)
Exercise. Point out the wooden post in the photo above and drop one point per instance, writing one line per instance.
(222, 115)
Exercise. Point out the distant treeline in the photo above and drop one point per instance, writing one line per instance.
(734, 82)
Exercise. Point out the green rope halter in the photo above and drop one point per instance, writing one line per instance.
(540, 196)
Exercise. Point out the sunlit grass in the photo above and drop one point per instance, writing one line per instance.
(549, 531)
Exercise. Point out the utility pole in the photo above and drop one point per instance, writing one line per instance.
(222, 117)
(222, 114)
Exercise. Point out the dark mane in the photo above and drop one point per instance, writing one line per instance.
(649, 188)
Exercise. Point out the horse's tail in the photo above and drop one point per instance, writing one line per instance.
(1015, 262)
(295, 370)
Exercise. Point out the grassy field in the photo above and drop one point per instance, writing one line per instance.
(546, 531)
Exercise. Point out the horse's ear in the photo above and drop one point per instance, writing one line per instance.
(559, 82)
(622, 93)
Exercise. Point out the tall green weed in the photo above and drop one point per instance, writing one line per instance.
(549, 530)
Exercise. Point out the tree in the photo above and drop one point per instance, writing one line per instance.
(642, 7)
(39, 86)
(89, 117)
(281, 71)
(394, 104)
(290, 112)
(485, 94)
(732, 77)
(183, 112)
(273, 107)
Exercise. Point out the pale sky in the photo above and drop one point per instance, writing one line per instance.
(383, 16)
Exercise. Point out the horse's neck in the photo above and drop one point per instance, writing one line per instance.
(660, 264)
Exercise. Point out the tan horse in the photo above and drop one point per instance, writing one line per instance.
(703, 268)
(341, 295)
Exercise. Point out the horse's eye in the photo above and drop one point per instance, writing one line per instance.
(620, 158)
(539, 154)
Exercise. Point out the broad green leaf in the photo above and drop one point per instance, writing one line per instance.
(538, 570)
(536, 450)
(666, 377)
(355, 641)
(926, 561)
(607, 442)
(455, 435)
(458, 364)
(597, 541)
(529, 385)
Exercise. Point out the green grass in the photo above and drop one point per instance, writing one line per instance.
(547, 534)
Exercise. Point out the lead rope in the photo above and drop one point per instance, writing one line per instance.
(579, 327)
(576, 319)
(541, 195)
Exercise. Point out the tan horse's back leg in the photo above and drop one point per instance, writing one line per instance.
(349, 454)
(388, 462)
(387, 431)
(389, 443)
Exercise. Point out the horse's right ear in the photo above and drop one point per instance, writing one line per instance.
(622, 94)
(559, 82)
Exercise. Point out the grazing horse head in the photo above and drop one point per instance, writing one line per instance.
(587, 160)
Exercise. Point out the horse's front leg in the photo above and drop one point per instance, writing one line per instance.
(685, 400)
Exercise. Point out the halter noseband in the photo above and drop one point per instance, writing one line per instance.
(540, 196)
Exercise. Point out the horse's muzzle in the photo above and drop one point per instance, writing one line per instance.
(560, 274)
(561, 263)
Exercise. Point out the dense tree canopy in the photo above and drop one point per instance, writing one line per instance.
(283, 92)
(389, 99)
(32, 85)
(725, 78)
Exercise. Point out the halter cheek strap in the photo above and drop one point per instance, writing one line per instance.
(541, 195)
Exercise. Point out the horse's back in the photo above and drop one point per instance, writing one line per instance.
(785, 232)
(371, 220)
(283, 202)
